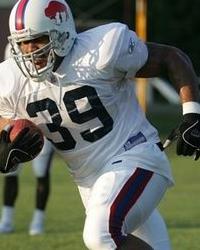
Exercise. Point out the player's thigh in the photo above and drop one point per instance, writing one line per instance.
(123, 196)
(42, 163)
(146, 202)
(97, 201)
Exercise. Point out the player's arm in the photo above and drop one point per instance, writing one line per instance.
(171, 63)
(21, 149)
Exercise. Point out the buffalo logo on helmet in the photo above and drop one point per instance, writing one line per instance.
(57, 12)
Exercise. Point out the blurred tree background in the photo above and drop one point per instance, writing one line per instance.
(176, 23)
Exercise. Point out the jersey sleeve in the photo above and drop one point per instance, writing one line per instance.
(8, 89)
(132, 53)
(112, 50)
(6, 110)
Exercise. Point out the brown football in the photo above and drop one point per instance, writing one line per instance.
(20, 124)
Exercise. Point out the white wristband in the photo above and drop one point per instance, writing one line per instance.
(191, 107)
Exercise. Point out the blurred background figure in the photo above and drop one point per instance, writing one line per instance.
(41, 165)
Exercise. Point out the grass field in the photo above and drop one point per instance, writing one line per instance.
(65, 214)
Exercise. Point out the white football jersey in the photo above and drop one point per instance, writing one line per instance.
(88, 108)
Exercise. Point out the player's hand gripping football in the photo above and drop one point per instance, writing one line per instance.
(187, 135)
(22, 149)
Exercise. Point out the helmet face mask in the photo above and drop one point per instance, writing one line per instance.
(41, 18)
(27, 62)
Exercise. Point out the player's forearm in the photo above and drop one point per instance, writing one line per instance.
(181, 74)
(188, 93)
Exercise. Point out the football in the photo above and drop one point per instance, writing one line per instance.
(19, 124)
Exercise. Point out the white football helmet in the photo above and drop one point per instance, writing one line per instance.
(30, 19)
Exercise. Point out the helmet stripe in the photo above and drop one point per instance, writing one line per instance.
(19, 18)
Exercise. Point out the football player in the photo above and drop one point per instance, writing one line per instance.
(77, 88)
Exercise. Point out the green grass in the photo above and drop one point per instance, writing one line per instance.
(65, 213)
(181, 205)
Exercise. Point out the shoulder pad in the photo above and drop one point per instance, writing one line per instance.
(104, 42)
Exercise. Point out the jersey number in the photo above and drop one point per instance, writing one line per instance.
(70, 100)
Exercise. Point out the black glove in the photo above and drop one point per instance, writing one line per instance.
(24, 148)
(187, 135)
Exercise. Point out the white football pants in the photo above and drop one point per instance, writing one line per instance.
(123, 201)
